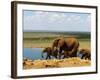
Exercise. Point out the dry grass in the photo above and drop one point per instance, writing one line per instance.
(55, 63)
(83, 44)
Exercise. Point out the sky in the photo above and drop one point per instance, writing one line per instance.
(56, 21)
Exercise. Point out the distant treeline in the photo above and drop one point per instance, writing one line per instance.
(53, 35)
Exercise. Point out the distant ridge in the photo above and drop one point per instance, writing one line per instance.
(55, 31)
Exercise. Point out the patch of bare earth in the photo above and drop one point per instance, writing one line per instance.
(55, 63)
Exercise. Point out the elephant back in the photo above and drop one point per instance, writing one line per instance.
(71, 43)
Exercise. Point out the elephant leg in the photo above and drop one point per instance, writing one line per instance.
(73, 54)
(63, 57)
(48, 56)
(87, 57)
(60, 53)
(83, 56)
(55, 56)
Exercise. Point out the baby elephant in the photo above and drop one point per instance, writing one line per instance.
(86, 54)
(50, 52)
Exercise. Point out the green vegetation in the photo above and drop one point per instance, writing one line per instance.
(44, 39)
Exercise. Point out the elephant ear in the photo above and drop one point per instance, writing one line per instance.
(55, 43)
(44, 50)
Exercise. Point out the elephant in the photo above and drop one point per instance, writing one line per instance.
(49, 52)
(86, 54)
(68, 45)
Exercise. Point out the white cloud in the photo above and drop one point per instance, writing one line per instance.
(40, 20)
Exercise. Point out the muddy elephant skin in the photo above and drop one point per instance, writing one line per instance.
(68, 45)
(86, 54)
(49, 52)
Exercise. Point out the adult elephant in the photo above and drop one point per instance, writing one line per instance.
(68, 46)
(50, 52)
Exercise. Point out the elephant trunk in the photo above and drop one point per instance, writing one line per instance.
(42, 55)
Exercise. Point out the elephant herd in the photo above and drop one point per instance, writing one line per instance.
(66, 48)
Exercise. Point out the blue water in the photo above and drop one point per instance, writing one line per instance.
(33, 53)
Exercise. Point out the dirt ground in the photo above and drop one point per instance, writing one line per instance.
(55, 63)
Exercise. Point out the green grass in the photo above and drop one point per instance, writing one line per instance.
(45, 39)
(84, 43)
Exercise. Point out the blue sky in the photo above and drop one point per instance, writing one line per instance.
(56, 21)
